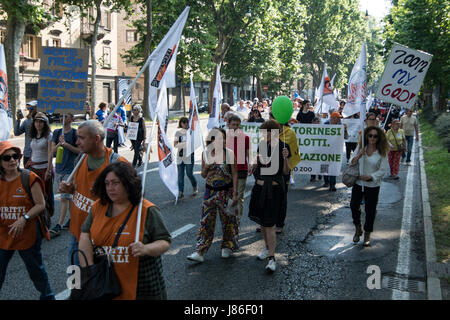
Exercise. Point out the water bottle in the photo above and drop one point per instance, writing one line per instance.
(59, 154)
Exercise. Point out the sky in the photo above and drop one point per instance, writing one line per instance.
(376, 8)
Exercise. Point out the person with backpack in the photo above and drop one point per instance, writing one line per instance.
(68, 142)
(91, 135)
(21, 228)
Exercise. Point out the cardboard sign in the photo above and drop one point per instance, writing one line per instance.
(132, 130)
(403, 76)
(63, 79)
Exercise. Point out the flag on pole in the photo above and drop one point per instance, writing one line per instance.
(164, 59)
(369, 101)
(356, 93)
(214, 116)
(167, 164)
(327, 99)
(194, 133)
(6, 123)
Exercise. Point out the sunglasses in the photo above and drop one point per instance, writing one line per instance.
(8, 157)
(372, 136)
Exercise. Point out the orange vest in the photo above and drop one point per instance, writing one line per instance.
(83, 199)
(103, 232)
(14, 203)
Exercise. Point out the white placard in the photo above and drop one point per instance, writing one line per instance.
(403, 76)
(132, 131)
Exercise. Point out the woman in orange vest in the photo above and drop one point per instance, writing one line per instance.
(137, 265)
(20, 227)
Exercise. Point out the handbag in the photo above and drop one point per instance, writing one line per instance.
(350, 175)
(99, 281)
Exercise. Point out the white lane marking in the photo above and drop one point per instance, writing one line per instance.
(404, 248)
(64, 295)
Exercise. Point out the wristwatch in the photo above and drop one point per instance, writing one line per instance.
(27, 217)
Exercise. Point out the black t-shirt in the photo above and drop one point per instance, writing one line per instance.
(305, 117)
(260, 165)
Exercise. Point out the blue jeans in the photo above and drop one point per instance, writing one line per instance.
(73, 245)
(189, 172)
(32, 258)
(409, 145)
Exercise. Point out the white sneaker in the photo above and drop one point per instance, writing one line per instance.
(226, 253)
(271, 266)
(195, 257)
(263, 254)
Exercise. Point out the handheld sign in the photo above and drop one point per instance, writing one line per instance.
(132, 131)
(63, 79)
(403, 76)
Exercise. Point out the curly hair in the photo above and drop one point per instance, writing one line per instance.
(127, 176)
(45, 131)
(382, 143)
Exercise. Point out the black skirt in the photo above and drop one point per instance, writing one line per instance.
(264, 209)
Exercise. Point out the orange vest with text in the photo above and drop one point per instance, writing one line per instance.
(83, 199)
(103, 232)
(14, 203)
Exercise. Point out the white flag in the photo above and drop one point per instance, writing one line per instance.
(356, 93)
(194, 133)
(327, 99)
(6, 123)
(214, 116)
(167, 165)
(163, 60)
(369, 101)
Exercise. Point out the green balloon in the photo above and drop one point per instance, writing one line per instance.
(282, 109)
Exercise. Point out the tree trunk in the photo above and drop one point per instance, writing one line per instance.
(182, 96)
(93, 57)
(148, 40)
(14, 36)
(258, 88)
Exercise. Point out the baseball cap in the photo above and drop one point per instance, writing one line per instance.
(32, 104)
(41, 116)
(6, 145)
(335, 115)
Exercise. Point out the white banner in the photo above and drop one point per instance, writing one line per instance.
(194, 133)
(356, 92)
(132, 130)
(353, 128)
(214, 116)
(5, 111)
(163, 61)
(403, 76)
(320, 146)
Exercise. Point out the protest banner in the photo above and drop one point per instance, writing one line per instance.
(320, 146)
(353, 129)
(122, 84)
(403, 76)
(132, 130)
(63, 76)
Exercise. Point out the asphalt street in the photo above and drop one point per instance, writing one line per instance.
(316, 258)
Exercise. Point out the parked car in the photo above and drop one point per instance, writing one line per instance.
(203, 108)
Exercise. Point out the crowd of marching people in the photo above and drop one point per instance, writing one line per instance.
(103, 199)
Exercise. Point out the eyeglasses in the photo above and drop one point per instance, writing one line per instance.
(8, 157)
(372, 136)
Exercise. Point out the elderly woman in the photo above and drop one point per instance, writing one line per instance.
(397, 143)
(373, 160)
(137, 264)
(20, 227)
(139, 143)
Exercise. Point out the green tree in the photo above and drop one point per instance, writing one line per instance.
(21, 14)
(423, 25)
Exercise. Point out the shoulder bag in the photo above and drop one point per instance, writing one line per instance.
(99, 281)
(350, 175)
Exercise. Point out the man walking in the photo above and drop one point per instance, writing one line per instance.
(68, 141)
(408, 123)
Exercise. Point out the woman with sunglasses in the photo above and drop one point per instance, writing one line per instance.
(20, 227)
(373, 162)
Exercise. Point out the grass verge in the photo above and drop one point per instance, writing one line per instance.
(437, 160)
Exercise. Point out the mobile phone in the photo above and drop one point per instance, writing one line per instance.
(19, 114)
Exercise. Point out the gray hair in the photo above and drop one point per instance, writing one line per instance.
(94, 128)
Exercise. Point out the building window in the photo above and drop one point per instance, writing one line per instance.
(31, 46)
(56, 43)
(31, 91)
(106, 20)
(132, 36)
(105, 60)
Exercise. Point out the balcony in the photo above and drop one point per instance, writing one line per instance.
(87, 32)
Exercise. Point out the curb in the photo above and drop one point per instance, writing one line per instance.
(433, 282)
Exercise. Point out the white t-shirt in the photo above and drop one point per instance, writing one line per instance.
(39, 151)
(374, 166)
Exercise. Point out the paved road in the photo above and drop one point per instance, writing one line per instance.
(315, 254)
